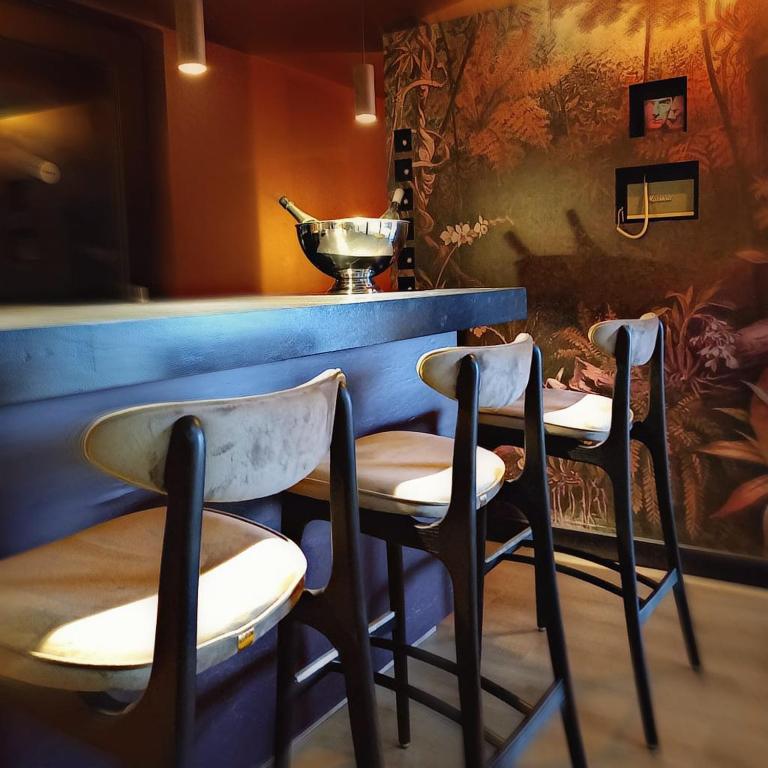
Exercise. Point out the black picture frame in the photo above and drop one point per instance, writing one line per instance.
(639, 93)
(656, 173)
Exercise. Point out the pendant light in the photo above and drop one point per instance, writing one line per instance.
(363, 83)
(190, 37)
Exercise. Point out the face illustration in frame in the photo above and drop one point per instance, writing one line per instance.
(667, 113)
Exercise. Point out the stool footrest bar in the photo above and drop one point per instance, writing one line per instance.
(508, 753)
(650, 603)
(571, 571)
(509, 749)
(383, 623)
(523, 538)
(606, 562)
(438, 705)
(310, 673)
(491, 687)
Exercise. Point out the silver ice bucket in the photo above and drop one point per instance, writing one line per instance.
(352, 251)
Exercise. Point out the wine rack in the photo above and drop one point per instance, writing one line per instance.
(402, 144)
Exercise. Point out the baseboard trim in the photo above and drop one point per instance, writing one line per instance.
(697, 561)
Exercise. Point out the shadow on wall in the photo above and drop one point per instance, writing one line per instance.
(585, 269)
(520, 118)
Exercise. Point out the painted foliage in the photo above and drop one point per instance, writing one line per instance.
(520, 118)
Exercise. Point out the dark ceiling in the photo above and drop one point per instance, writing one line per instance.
(275, 26)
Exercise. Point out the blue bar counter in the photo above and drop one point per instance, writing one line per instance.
(62, 366)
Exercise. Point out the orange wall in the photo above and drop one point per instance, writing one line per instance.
(308, 147)
(246, 132)
(211, 178)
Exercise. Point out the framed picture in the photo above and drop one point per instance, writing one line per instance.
(657, 107)
(667, 199)
(673, 191)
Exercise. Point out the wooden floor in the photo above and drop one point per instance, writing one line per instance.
(717, 718)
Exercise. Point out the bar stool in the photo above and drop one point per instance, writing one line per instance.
(145, 602)
(597, 430)
(430, 492)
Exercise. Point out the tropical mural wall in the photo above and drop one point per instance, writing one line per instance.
(520, 118)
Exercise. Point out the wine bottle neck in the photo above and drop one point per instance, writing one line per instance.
(393, 212)
(301, 216)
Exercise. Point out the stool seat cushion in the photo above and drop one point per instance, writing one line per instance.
(567, 413)
(80, 613)
(407, 473)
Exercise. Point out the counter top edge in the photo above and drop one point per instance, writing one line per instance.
(59, 360)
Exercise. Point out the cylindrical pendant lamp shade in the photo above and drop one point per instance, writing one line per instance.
(190, 37)
(365, 93)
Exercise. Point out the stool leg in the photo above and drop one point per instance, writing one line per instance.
(543, 553)
(660, 460)
(286, 647)
(533, 502)
(558, 654)
(293, 523)
(339, 613)
(355, 657)
(549, 616)
(482, 533)
(463, 574)
(622, 496)
(400, 657)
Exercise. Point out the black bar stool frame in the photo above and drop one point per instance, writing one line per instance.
(157, 730)
(613, 455)
(458, 541)
(337, 611)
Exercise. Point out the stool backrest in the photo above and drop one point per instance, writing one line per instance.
(254, 446)
(644, 332)
(504, 370)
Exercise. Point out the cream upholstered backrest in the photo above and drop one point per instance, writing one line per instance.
(504, 370)
(254, 446)
(603, 335)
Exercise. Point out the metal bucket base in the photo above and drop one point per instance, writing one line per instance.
(354, 281)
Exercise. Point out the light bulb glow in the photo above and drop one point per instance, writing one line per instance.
(193, 68)
(364, 93)
(190, 37)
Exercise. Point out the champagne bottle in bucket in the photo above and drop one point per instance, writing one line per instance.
(393, 212)
(301, 216)
(354, 249)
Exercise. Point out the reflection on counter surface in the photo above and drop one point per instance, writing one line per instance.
(459, 459)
